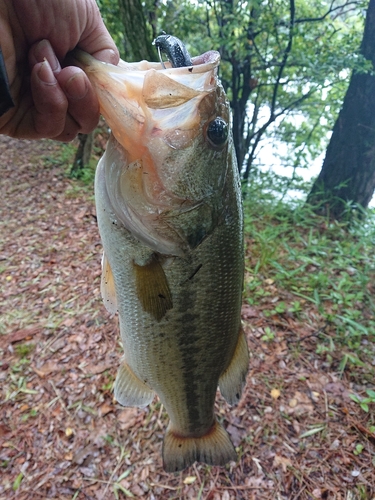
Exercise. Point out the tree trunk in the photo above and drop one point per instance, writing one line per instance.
(138, 34)
(348, 172)
(83, 154)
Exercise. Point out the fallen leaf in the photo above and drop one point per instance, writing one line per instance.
(315, 396)
(248, 312)
(275, 393)
(312, 431)
(82, 454)
(4, 430)
(46, 369)
(137, 490)
(21, 334)
(189, 479)
(104, 409)
(296, 426)
(299, 404)
(127, 418)
(95, 369)
(283, 461)
(68, 321)
(335, 388)
(317, 493)
(236, 434)
(69, 432)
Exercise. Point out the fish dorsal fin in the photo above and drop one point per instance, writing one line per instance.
(160, 91)
(233, 379)
(107, 287)
(152, 288)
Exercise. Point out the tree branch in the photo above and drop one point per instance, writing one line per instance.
(285, 57)
(329, 11)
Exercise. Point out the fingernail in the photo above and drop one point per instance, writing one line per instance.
(45, 73)
(44, 51)
(76, 86)
(107, 55)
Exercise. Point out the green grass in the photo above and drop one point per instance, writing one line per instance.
(65, 157)
(314, 270)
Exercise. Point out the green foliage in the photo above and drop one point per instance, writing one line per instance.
(110, 12)
(285, 65)
(364, 402)
(24, 350)
(314, 268)
(63, 158)
(269, 79)
(17, 481)
(268, 335)
(358, 449)
(86, 174)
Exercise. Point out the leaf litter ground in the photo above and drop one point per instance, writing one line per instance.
(62, 436)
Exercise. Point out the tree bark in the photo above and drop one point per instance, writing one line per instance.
(348, 171)
(138, 33)
(83, 154)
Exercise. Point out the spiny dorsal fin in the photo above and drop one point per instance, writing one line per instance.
(152, 288)
(107, 286)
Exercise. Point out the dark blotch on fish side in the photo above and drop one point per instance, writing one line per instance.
(174, 49)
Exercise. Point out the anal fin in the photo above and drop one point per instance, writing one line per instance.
(152, 288)
(107, 287)
(233, 378)
(129, 390)
(214, 448)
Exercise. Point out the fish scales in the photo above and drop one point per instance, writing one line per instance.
(170, 217)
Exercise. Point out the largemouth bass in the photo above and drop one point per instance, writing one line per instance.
(170, 217)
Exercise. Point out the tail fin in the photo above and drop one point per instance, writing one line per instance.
(214, 448)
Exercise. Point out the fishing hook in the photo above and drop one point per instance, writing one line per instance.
(174, 49)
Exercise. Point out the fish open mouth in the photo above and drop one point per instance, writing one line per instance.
(136, 98)
(155, 112)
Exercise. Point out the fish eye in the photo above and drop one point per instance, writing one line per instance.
(217, 132)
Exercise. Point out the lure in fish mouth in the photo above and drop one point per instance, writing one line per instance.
(169, 211)
(174, 49)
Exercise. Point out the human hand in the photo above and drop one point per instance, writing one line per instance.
(51, 100)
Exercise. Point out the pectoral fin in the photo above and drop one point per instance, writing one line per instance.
(233, 378)
(130, 390)
(107, 287)
(152, 288)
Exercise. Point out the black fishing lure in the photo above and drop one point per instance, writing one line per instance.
(174, 49)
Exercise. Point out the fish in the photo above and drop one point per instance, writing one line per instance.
(169, 211)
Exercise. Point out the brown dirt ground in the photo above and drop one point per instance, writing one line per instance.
(62, 436)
